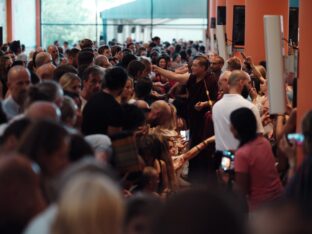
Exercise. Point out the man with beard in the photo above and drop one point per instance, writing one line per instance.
(216, 64)
(221, 111)
(18, 83)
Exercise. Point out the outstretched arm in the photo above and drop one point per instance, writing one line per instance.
(181, 78)
(255, 71)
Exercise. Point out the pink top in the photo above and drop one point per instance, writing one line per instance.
(257, 160)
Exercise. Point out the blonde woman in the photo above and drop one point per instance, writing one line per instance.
(70, 82)
(89, 204)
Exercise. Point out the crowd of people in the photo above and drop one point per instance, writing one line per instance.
(146, 138)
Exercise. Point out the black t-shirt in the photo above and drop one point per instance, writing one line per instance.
(100, 112)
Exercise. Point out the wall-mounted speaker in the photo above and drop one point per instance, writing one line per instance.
(221, 15)
(293, 24)
(119, 28)
(238, 36)
(213, 22)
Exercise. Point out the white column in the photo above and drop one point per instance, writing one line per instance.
(114, 26)
(137, 33)
(274, 58)
(127, 32)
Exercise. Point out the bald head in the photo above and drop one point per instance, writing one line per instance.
(160, 113)
(43, 110)
(142, 104)
(42, 58)
(46, 71)
(223, 81)
(237, 76)
(102, 61)
(18, 83)
(239, 83)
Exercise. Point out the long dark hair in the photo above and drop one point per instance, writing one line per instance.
(244, 122)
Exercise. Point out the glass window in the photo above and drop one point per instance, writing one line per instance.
(3, 18)
(69, 20)
(104, 20)
(24, 22)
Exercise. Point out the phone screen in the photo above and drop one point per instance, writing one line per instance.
(295, 137)
(185, 134)
(226, 163)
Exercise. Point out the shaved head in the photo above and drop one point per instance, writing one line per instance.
(18, 83)
(142, 104)
(102, 61)
(46, 71)
(160, 113)
(237, 76)
(42, 58)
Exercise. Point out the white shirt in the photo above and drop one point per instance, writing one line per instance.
(42, 223)
(221, 112)
(10, 107)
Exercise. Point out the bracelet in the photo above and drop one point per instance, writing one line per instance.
(198, 149)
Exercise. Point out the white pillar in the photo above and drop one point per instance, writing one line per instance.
(137, 33)
(274, 58)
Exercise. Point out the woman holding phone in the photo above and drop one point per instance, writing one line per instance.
(255, 173)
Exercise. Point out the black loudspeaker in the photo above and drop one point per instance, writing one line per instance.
(133, 30)
(1, 36)
(293, 24)
(238, 36)
(221, 13)
(295, 93)
(119, 28)
(213, 22)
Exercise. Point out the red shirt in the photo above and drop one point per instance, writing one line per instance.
(257, 160)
